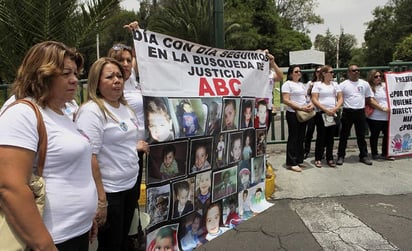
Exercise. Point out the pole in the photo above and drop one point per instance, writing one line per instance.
(218, 23)
(97, 46)
(337, 53)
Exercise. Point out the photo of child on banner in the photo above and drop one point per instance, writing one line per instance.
(260, 141)
(158, 204)
(231, 216)
(214, 115)
(248, 113)
(249, 146)
(166, 161)
(158, 121)
(213, 219)
(220, 150)
(203, 194)
(258, 169)
(191, 233)
(183, 195)
(235, 147)
(244, 204)
(201, 154)
(191, 115)
(164, 238)
(261, 115)
(230, 114)
(224, 183)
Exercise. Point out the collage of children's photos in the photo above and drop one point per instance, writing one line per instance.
(206, 167)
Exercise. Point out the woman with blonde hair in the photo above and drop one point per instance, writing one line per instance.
(111, 127)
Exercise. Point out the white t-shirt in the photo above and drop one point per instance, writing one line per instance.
(113, 142)
(133, 95)
(71, 197)
(297, 93)
(327, 93)
(269, 89)
(354, 93)
(381, 98)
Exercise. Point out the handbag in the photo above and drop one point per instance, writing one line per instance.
(328, 120)
(303, 116)
(8, 238)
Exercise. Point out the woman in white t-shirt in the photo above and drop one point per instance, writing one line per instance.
(378, 120)
(113, 131)
(295, 97)
(48, 76)
(327, 97)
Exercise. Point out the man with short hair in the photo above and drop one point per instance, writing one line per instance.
(354, 91)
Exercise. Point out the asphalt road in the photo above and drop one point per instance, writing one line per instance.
(351, 207)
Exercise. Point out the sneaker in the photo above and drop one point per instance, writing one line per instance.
(366, 161)
(339, 162)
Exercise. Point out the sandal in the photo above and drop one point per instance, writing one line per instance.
(318, 163)
(295, 168)
(331, 163)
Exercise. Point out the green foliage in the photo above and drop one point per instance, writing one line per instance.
(404, 50)
(329, 45)
(390, 26)
(24, 23)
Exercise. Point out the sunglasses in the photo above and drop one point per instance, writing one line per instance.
(118, 47)
(377, 76)
(297, 72)
(330, 72)
(355, 70)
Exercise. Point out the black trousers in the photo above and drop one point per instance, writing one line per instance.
(296, 137)
(376, 127)
(114, 234)
(324, 138)
(80, 243)
(349, 118)
(310, 129)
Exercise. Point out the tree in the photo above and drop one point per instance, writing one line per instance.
(298, 14)
(404, 50)
(379, 36)
(26, 22)
(330, 44)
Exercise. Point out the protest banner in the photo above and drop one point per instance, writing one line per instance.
(399, 90)
(207, 163)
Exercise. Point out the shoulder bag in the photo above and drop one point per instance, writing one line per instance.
(9, 240)
(303, 116)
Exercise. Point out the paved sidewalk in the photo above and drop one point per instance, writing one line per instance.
(281, 228)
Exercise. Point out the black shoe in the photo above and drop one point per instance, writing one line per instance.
(366, 161)
(376, 157)
(339, 162)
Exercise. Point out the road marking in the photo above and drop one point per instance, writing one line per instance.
(336, 228)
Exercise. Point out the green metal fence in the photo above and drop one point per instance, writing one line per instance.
(278, 130)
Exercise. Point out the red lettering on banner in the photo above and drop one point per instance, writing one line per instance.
(204, 88)
(221, 88)
(233, 84)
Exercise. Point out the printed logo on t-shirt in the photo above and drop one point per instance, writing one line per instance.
(123, 126)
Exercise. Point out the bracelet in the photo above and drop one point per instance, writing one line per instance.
(101, 204)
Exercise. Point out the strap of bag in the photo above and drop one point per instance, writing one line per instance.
(41, 129)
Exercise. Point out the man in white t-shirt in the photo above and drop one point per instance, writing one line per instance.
(354, 91)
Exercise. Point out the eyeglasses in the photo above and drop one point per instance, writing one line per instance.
(118, 47)
(377, 76)
(297, 72)
(330, 72)
(355, 70)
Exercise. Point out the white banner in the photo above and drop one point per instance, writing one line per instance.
(399, 89)
(186, 69)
